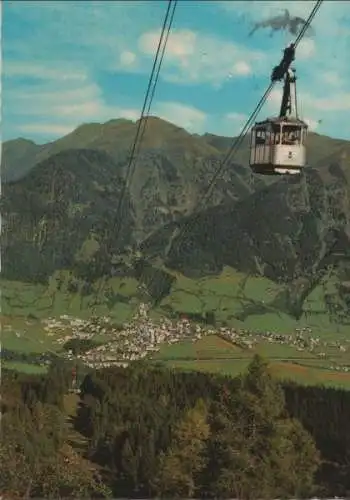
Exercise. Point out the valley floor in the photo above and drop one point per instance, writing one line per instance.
(179, 344)
(37, 321)
(214, 354)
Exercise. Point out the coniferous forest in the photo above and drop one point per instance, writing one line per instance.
(147, 431)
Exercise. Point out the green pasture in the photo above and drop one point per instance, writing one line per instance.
(247, 303)
(282, 370)
(216, 348)
(216, 355)
(42, 301)
(24, 367)
(241, 301)
(208, 347)
(26, 335)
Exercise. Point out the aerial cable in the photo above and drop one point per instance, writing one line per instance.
(130, 171)
(237, 141)
(308, 22)
(155, 83)
(154, 76)
(153, 79)
(236, 144)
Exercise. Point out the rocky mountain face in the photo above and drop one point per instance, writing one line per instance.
(63, 202)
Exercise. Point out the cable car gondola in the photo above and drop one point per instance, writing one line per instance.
(278, 144)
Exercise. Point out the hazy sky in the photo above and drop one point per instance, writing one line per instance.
(67, 63)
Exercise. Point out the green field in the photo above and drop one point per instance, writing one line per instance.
(246, 303)
(23, 299)
(216, 355)
(24, 367)
(25, 335)
(239, 301)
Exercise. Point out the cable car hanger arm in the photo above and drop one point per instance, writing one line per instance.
(283, 70)
(279, 72)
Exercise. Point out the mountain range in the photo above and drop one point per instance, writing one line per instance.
(61, 210)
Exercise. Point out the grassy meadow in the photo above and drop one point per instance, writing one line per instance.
(237, 300)
(217, 355)
(246, 303)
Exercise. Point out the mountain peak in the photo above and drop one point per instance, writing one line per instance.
(117, 135)
(20, 141)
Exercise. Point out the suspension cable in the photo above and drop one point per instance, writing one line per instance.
(148, 98)
(238, 141)
(156, 78)
(308, 22)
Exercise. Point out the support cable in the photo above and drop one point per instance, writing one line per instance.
(238, 141)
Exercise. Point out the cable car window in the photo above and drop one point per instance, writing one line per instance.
(291, 135)
(260, 137)
(276, 134)
(277, 138)
(303, 134)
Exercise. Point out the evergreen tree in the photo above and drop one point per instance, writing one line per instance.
(180, 465)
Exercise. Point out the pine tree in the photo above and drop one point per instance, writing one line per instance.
(255, 446)
(130, 463)
(179, 466)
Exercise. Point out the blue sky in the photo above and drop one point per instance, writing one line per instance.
(66, 63)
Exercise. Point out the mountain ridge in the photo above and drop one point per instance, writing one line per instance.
(289, 230)
(116, 136)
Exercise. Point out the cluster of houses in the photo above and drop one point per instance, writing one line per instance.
(142, 337)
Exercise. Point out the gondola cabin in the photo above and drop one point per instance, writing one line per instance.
(278, 146)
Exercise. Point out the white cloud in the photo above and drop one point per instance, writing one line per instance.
(53, 108)
(188, 117)
(273, 102)
(71, 116)
(230, 123)
(180, 44)
(129, 114)
(336, 102)
(306, 48)
(42, 71)
(236, 116)
(332, 78)
(322, 113)
(312, 124)
(122, 37)
(329, 13)
(127, 58)
(91, 34)
(241, 68)
(193, 57)
(227, 124)
(326, 49)
(48, 94)
(83, 110)
(45, 129)
(340, 101)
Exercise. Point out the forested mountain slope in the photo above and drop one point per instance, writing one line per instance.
(294, 231)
